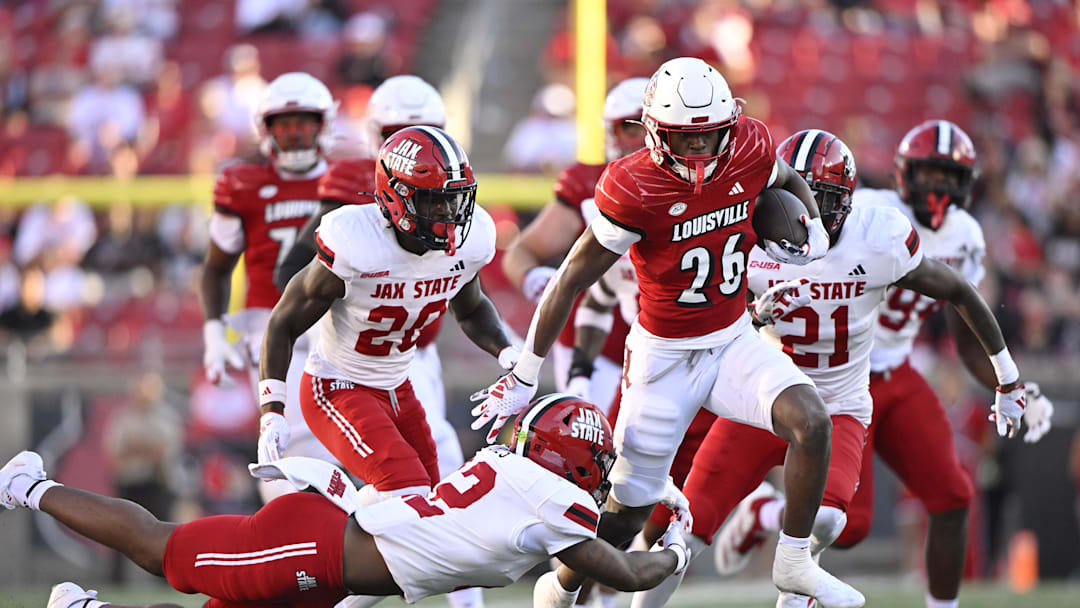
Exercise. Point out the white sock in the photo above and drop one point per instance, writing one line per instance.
(769, 515)
(31, 489)
(933, 602)
(794, 541)
(473, 597)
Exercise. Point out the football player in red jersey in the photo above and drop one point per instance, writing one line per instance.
(682, 208)
(258, 210)
(935, 172)
(548, 238)
(493, 520)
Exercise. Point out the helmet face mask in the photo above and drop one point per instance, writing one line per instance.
(425, 187)
(827, 165)
(935, 168)
(569, 437)
(286, 135)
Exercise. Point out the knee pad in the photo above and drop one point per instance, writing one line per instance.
(828, 525)
(853, 533)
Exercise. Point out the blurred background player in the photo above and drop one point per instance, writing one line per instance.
(382, 273)
(692, 345)
(259, 209)
(488, 524)
(823, 316)
(529, 262)
(935, 172)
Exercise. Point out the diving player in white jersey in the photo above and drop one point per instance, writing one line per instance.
(823, 316)
(504, 512)
(383, 272)
(935, 172)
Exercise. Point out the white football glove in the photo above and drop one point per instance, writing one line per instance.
(816, 246)
(1037, 414)
(1007, 410)
(674, 540)
(579, 386)
(675, 500)
(780, 299)
(219, 353)
(506, 398)
(536, 281)
(273, 437)
(508, 357)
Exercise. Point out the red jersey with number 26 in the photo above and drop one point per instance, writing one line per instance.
(391, 295)
(272, 209)
(691, 257)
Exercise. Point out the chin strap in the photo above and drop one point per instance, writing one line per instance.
(699, 176)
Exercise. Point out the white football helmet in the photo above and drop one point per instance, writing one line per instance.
(403, 101)
(688, 95)
(622, 103)
(288, 93)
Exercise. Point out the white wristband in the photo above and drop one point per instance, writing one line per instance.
(214, 330)
(271, 390)
(528, 367)
(1004, 367)
(678, 550)
(588, 317)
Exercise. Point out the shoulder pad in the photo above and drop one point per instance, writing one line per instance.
(577, 183)
(349, 181)
(236, 180)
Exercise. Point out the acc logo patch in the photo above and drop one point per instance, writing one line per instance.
(677, 209)
(268, 191)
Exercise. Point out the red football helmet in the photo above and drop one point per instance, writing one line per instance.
(826, 163)
(425, 187)
(569, 437)
(941, 145)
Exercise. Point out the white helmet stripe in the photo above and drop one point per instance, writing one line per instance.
(449, 150)
(535, 411)
(802, 155)
(944, 137)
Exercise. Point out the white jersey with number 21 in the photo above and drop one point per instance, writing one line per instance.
(830, 339)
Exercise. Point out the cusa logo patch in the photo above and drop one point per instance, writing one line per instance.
(402, 158)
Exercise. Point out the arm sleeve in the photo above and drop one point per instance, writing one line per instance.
(571, 516)
(330, 246)
(227, 232)
(904, 246)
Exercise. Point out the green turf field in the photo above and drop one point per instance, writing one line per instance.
(741, 594)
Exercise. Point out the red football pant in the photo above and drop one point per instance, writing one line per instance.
(289, 553)
(735, 458)
(380, 436)
(912, 434)
(684, 456)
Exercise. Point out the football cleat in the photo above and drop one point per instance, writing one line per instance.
(24, 463)
(70, 595)
(794, 600)
(795, 572)
(743, 533)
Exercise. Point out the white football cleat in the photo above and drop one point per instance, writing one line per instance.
(794, 571)
(70, 595)
(794, 600)
(24, 463)
(743, 532)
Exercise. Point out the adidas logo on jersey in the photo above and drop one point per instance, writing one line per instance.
(305, 582)
(857, 272)
(736, 189)
(458, 267)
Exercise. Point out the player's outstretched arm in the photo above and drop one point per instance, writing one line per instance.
(592, 324)
(303, 250)
(214, 285)
(477, 317)
(939, 281)
(633, 571)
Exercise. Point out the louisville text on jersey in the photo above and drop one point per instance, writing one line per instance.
(420, 289)
(713, 220)
(832, 290)
(402, 158)
(290, 210)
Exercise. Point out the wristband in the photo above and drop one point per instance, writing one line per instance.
(678, 550)
(1004, 367)
(528, 367)
(271, 390)
(213, 330)
(587, 317)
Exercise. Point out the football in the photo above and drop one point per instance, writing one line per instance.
(776, 216)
